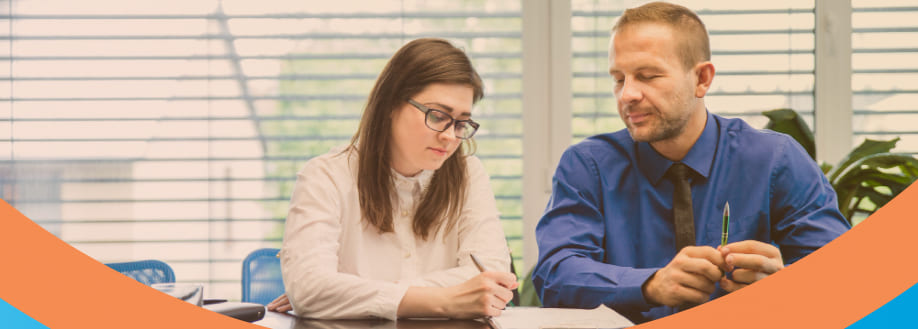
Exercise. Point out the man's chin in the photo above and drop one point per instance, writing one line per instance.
(640, 135)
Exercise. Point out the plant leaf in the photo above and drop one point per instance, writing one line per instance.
(879, 199)
(868, 147)
(883, 161)
(789, 122)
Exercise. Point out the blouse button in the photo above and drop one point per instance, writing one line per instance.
(408, 255)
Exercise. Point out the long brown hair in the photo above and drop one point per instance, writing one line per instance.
(415, 66)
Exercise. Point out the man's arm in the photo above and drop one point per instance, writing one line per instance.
(804, 217)
(571, 271)
(804, 207)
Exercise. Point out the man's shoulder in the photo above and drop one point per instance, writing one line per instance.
(764, 147)
(614, 143)
(741, 131)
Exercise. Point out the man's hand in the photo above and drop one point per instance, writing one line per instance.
(689, 279)
(750, 261)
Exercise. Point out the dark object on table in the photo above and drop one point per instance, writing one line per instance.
(248, 312)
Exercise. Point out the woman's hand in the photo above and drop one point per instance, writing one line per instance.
(281, 304)
(483, 295)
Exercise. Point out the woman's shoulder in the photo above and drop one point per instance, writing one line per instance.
(475, 168)
(339, 160)
(473, 163)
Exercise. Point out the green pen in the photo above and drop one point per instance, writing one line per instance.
(726, 226)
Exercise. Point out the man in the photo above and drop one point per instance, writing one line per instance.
(609, 233)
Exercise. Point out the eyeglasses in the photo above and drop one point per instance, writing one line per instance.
(439, 121)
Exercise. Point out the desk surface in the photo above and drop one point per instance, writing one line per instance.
(276, 320)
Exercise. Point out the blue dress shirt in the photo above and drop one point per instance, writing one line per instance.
(608, 226)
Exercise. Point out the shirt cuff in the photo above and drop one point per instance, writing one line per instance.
(388, 299)
(630, 295)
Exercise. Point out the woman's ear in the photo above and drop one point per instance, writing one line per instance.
(704, 72)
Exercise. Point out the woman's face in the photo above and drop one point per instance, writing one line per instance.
(416, 147)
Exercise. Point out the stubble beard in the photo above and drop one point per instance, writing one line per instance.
(663, 129)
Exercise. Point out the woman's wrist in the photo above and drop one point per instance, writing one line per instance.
(425, 302)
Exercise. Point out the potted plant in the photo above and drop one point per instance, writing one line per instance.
(866, 179)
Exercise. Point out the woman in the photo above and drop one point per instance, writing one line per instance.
(387, 226)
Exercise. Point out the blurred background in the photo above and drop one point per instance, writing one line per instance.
(173, 129)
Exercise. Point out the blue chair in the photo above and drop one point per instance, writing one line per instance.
(146, 271)
(261, 276)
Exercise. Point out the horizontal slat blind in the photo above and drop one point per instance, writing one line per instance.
(174, 131)
(885, 72)
(762, 52)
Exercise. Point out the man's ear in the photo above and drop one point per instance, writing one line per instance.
(704, 72)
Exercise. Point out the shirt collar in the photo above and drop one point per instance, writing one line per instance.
(700, 157)
(417, 182)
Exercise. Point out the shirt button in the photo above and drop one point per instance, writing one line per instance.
(405, 213)
(408, 255)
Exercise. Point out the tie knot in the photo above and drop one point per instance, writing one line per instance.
(678, 172)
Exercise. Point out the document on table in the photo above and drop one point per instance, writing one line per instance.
(557, 318)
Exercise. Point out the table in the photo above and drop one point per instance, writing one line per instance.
(274, 320)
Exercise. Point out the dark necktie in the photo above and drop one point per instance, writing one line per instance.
(683, 218)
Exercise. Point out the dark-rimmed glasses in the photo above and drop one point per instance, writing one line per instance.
(439, 121)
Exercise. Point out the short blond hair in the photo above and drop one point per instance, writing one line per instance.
(693, 47)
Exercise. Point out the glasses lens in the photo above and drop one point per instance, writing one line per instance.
(437, 120)
(465, 129)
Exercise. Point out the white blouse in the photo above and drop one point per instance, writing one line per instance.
(335, 266)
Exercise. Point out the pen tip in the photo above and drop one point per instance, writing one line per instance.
(727, 208)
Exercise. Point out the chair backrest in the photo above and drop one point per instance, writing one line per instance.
(145, 271)
(261, 276)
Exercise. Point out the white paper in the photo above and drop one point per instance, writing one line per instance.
(556, 318)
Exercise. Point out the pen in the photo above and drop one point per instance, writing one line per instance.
(477, 263)
(489, 320)
(726, 225)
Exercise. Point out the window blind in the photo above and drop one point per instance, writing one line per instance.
(884, 78)
(174, 131)
(763, 53)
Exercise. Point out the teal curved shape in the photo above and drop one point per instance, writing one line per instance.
(14, 318)
(898, 313)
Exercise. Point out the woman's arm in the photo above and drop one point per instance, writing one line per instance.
(480, 233)
(309, 256)
(316, 289)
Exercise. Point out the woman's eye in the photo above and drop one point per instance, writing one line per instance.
(436, 117)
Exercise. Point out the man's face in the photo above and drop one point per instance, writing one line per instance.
(654, 92)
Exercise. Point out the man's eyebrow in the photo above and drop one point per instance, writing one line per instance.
(646, 68)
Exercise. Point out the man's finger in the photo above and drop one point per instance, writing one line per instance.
(690, 295)
(703, 268)
(748, 276)
(730, 285)
(752, 247)
(754, 262)
(694, 281)
(705, 252)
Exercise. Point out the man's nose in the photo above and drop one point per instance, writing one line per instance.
(630, 92)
